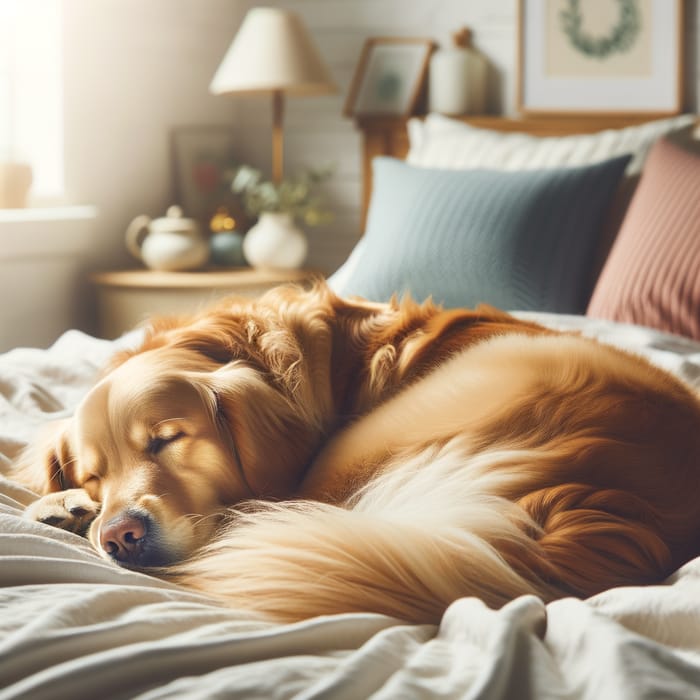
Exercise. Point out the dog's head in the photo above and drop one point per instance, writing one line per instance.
(227, 407)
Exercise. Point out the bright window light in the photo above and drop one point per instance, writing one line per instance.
(31, 92)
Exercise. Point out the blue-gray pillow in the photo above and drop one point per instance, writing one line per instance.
(516, 240)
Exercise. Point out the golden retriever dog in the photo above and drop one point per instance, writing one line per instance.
(301, 454)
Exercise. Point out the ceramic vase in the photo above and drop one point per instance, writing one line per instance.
(457, 78)
(275, 242)
(15, 181)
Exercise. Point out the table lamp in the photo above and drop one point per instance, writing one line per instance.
(272, 52)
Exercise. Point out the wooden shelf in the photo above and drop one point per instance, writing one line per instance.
(126, 298)
(200, 279)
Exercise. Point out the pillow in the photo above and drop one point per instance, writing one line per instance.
(441, 142)
(652, 276)
(517, 240)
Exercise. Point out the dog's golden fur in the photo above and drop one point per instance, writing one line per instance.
(302, 454)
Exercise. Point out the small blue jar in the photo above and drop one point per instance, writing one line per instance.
(226, 243)
(227, 249)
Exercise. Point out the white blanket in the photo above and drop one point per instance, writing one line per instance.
(74, 626)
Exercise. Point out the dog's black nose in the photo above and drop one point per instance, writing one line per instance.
(124, 537)
(132, 540)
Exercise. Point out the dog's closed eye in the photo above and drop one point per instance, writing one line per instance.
(158, 442)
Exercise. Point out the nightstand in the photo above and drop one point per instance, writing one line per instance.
(127, 297)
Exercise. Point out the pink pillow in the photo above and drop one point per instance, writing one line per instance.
(652, 275)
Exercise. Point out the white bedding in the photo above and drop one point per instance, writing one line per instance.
(74, 626)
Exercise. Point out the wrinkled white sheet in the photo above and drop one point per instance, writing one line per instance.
(74, 626)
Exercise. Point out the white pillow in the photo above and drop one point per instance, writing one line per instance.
(441, 142)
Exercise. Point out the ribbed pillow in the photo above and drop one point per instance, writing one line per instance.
(441, 142)
(517, 240)
(652, 276)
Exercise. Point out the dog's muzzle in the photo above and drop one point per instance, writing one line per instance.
(132, 540)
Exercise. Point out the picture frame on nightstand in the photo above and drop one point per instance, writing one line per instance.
(390, 77)
(200, 156)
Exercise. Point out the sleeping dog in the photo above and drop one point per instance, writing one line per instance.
(302, 454)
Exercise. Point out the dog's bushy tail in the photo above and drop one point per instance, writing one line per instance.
(295, 560)
(432, 528)
(408, 545)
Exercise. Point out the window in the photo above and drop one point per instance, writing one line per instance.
(31, 119)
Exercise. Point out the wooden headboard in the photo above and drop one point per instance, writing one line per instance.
(387, 136)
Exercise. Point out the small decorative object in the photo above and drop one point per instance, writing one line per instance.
(275, 241)
(457, 82)
(621, 56)
(226, 243)
(168, 243)
(15, 181)
(390, 77)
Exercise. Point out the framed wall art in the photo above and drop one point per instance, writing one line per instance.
(200, 157)
(390, 77)
(600, 56)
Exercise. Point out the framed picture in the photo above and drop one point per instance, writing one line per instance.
(390, 77)
(600, 56)
(200, 157)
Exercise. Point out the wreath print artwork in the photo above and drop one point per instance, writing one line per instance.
(621, 37)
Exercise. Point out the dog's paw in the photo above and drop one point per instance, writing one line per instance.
(71, 510)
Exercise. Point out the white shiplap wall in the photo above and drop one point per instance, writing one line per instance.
(315, 131)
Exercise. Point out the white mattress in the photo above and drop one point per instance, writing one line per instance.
(74, 626)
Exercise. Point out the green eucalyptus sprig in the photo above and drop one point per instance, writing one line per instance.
(294, 195)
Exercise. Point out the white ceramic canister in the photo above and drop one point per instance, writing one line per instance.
(457, 78)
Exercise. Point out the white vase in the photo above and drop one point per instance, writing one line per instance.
(275, 242)
(457, 78)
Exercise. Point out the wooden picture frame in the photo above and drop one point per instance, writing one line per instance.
(390, 77)
(200, 155)
(624, 59)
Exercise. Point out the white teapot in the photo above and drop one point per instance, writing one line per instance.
(168, 243)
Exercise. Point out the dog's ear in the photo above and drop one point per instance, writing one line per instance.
(286, 336)
(45, 466)
(270, 437)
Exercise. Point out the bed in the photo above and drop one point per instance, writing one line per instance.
(73, 625)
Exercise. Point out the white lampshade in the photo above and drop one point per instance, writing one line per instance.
(272, 51)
